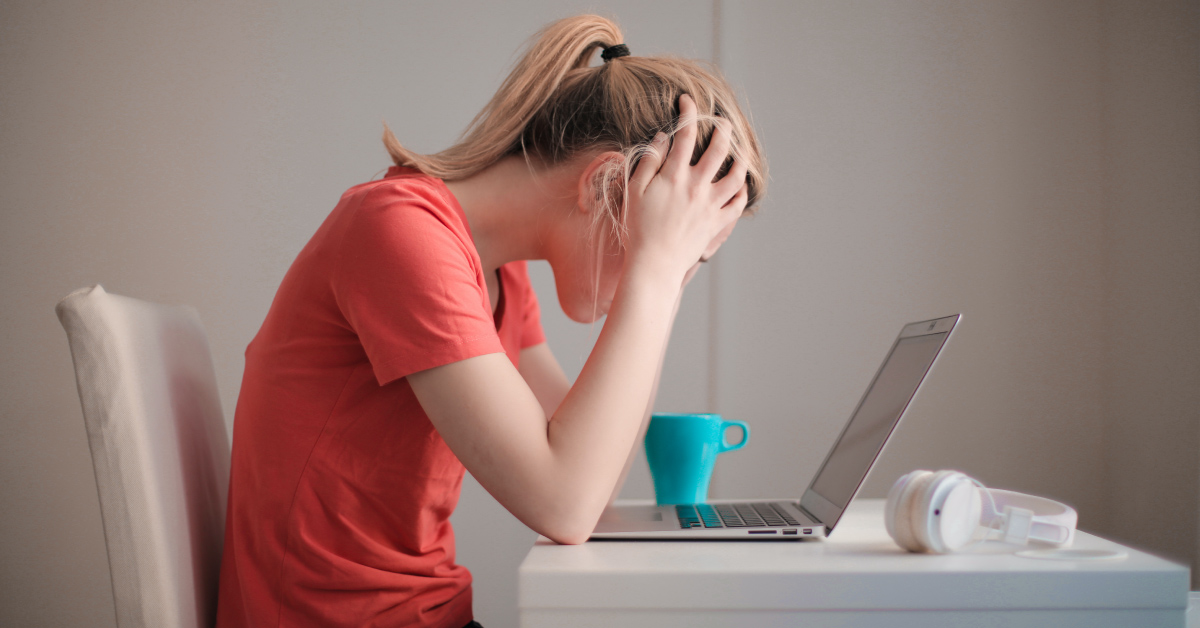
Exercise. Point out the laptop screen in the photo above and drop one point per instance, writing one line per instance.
(876, 416)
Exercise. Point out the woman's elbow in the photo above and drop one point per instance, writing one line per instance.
(568, 528)
(565, 512)
(568, 532)
(569, 539)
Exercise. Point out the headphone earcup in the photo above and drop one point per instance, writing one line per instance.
(893, 500)
(951, 510)
(899, 509)
(919, 510)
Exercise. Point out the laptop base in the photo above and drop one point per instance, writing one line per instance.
(731, 520)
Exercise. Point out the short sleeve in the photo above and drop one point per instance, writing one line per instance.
(408, 281)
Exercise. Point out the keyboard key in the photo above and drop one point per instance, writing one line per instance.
(781, 509)
(687, 516)
(709, 516)
(749, 516)
(741, 515)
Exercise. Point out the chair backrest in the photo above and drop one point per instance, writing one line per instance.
(160, 450)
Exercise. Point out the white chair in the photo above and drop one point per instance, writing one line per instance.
(160, 452)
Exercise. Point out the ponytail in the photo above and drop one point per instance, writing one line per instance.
(555, 105)
(495, 132)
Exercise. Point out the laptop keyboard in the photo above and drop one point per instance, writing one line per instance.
(746, 515)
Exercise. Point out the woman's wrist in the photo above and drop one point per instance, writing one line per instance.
(656, 271)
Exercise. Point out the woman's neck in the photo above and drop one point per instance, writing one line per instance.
(512, 208)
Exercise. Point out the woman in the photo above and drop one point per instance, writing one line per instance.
(404, 342)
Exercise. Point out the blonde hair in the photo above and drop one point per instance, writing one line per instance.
(554, 105)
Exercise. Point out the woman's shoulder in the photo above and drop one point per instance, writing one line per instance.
(405, 185)
(405, 200)
(406, 227)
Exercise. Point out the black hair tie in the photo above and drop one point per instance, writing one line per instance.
(612, 52)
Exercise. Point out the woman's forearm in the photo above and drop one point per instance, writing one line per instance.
(649, 406)
(556, 476)
(596, 426)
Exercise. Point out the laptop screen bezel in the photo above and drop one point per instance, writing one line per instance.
(826, 512)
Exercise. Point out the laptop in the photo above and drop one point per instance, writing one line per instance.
(841, 475)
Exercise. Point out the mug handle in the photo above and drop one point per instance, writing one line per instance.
(745, 435)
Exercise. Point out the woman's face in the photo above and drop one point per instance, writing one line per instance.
(580, 244)
(587, 270)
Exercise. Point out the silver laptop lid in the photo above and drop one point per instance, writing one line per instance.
(877, 414)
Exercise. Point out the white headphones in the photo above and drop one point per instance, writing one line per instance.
(943, 511)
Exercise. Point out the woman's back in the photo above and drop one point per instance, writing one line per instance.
(341, 488)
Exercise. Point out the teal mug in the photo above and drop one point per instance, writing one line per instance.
(682, 449)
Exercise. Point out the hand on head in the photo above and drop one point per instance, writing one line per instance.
(677, 214)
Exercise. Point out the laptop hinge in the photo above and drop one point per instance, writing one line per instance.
(811, 517)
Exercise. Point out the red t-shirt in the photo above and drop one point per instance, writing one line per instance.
(341, 489)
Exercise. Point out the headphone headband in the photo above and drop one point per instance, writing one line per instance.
(943, 511)
(1048, 521)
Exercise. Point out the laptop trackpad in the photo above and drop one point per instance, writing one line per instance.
(636, 519)
(631, 514)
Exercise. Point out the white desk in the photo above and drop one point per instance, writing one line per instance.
(857, 577)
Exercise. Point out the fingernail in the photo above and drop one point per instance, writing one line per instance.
(659, 138)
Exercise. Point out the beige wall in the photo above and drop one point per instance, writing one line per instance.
(184, 153)
(1033, 165)
(928, 158)
(1151, 366)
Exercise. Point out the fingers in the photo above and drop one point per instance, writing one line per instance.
(681, 207)
(718, 149)
(732, 182)
(737, 204)
(685, 138)
(649, 164)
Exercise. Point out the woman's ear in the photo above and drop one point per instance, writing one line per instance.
(602, 178)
